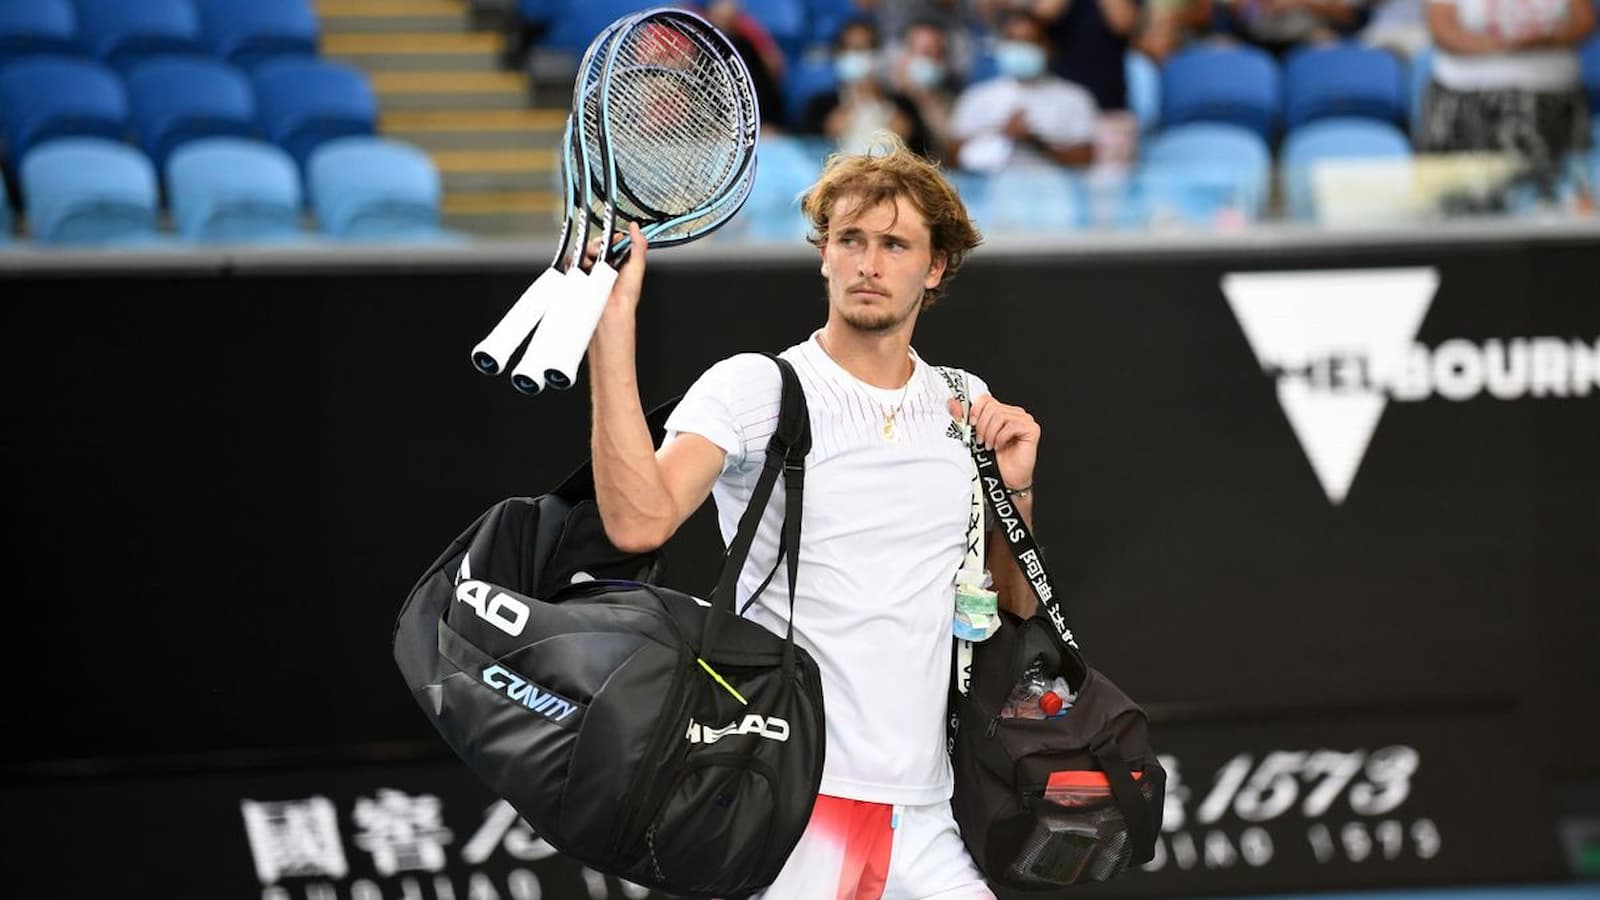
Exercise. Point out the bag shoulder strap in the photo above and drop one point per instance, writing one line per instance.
(1019, 537)
(786, 455)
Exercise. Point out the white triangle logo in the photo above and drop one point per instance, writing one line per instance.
(1330, 338)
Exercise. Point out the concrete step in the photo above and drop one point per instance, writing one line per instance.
(416, 51)
(499, 213)
(476, 129)
(526, 169)
(446, 90)
(338, 16)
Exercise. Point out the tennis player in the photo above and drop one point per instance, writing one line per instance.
(888, 487)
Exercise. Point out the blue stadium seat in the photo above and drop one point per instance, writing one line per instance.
(250, 32)
(5, 214)
(577, 24)
(788, 21)
(1343, 80)
(177, 100)
(1032, 201)
(1233, 85)
(786, 167)
(1338, 138)
(45, 97)
(89, 191)
(35, 27)
(304, 103)
(375, 189)
(1589, 59)
(540, 11)
(1196, 173)
(1421, 76)
(1144, 89)
(233, 190)
(804, 80)
(828, 16)
(127, 32)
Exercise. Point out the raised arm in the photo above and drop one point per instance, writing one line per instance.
(643, 495)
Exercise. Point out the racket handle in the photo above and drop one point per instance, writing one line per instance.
(528, 377)
(569, 338)
(493, 353)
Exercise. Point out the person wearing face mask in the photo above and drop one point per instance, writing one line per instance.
(861, 105)
(923, 74)
(1026, 116)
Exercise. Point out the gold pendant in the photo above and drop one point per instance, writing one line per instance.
(888, 429)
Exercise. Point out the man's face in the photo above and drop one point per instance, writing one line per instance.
(878, 262)
(1024, 31)
(926, 41)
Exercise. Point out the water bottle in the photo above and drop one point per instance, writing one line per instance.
(1037, 696)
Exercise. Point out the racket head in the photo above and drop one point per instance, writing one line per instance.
(670, 128)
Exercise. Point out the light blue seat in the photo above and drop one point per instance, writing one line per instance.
(828, 16)
(1343, 80)
(1031, 201)
(1343, 138)
(578, 23)
(804, 81)
(1232, 85)
(372, 189)
(46, 97)
(1421, 75)
(5, 214)
(1144, 89)
(303, 103)
(89, 192)
(125, 33)
(177, 100)
(1197, 173)
(36, 27)
(788, 21)
(785, 168)
(234, 190)
(250, 32)
(1589, 61)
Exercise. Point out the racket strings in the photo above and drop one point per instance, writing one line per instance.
(677, 123)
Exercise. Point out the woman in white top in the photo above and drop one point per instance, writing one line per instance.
(1506, 78)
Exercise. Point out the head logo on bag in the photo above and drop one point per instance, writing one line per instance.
(501, 610)
(770, 727)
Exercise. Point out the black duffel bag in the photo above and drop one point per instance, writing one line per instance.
(1046, 802)
(643, 732)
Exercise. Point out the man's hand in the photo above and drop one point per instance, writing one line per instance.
(1008, 430)
(1017, 127)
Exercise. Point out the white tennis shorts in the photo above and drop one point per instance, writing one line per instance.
(855, 850)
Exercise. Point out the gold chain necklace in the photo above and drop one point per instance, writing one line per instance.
(888, 432)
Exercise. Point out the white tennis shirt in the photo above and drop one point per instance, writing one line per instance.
(882, 533)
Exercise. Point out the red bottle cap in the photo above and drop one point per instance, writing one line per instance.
(1050, 703)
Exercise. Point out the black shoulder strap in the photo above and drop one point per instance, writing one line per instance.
(786, 454)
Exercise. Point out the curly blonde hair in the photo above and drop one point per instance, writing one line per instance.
(886, 171)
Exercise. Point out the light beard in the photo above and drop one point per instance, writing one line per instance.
(877, 321)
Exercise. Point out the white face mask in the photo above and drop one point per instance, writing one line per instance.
(925, 72)
(1019, 59)
(853, 65)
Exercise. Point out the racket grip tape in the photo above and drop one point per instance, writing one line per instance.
(528, 377)
(569, 340)
(494, 352)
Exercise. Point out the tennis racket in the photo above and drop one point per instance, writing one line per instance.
(668, 136)
(494, 353)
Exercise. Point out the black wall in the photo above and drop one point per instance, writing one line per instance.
(223, 484)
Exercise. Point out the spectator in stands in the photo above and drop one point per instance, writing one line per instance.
(1169, 24)
(922, 72)
(1398, 26)
(1279, 26)
(1506, 78)
(1026, 116)
(1090, 39)
(862, 105)
(760, 53)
